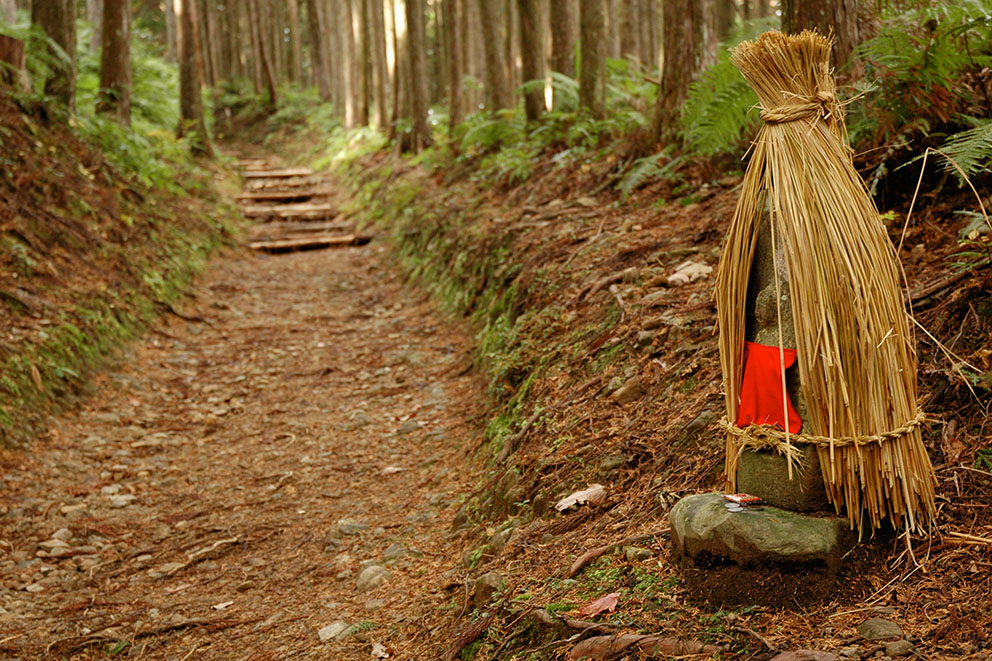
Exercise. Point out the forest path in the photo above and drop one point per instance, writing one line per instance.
(223, 493)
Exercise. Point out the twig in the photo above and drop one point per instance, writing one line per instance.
(596, 627)
(939, 286)
(757, 636)
(583, 561)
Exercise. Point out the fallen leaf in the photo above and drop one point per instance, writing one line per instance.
(593, 494)
(689, 272)
(379, 651)
(389, 470)
(606, 604)
(222, 605)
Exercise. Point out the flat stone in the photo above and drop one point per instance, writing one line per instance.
(805, 655)
(332, 630)
(879, 629)
(703, 528)
(628, 392)
(485, 587)
(765, 474)
(371, 577)
(62, 534)
(898, 648)
(122, 500)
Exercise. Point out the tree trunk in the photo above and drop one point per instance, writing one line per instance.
(512, 41)
(592, 56)
(562, 41)
(418, 69)
(361, 19)
(532, 54)
(191, 121)
(94, 14)
(319, 58)
(57, 19)
(9, 8)
(452, 19)
(171, 36)
(380, 73)
(400, 77)
(264, 64)
(725, 16)
(209, 72)
(613, 28)
(115, 62)
(13, 63)
(763, 8)
(682, 42)
(630, 29)
(215, 42)
(497, 86)
(296, 48)
(839, 16)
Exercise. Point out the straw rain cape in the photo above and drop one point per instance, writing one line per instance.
(857, 364)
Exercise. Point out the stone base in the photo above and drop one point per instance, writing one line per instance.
(705, 531)
(765, 474)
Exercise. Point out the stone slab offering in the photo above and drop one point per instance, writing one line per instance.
(703, 529)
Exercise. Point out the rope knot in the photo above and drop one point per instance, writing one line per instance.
(820, 106)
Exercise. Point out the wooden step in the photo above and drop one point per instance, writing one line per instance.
(276, 195)
(290, 211)
(282, 184)
(309, 243)
(285, 229)
(277, 174)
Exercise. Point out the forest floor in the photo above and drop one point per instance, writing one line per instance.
(219, 494)
(281, 469)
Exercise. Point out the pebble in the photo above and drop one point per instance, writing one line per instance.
(62, 534)
(631, 390)
(371, 577)
(878, 629)
(898, 648)
(485, 587)
(635, 553)
(375, 604)
(111, 489)
(122, 500)
(849, 653)
(332, 630)
(408, 427)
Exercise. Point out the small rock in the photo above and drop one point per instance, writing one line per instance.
(878, 629)
(612, 462)
(635, 553)
(52, 544)
(169, 567)
(111, 489)
(371, 577)
(122, 500)
(729, 181)
(332, 630)
(499, 540)
(485, 587)
(394, 552)
(375, 604)
(655, 299)
(350, 527)
(62, 534)
(408, 427)
(701, 422)
(360, 419)
(35, 587)
(71, 509)
(849, 653)
(615, 384)
(628, 392)
(805, 655)
(646, 337)
(897, 648)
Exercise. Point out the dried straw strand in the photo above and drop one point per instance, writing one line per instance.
(857, 364)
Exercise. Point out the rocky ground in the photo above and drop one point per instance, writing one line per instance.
(261, 478)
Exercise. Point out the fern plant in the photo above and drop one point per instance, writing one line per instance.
(651, 168)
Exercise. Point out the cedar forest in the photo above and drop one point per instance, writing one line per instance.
(495, 329)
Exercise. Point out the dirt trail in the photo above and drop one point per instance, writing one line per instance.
(219, 494)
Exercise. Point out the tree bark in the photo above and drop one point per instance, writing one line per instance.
(191, 123)
(115, 62)
(400, 76)
(380, 73)
(265, 58)
(171, 32)
(94, 14)
(497, 86)
(630, 29)
(58, 20)
(361, 17)
(319, 59)
(296, 48)
(14, 70)
(215, 41)
(838, 16)
(725, 17)
(563, 38)
(9, 8)
(452, 19)
(532, 54)
(592, 59)
(418, 70)
(682, 43)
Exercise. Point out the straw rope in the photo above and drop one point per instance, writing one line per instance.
(855, 354)
(769, 436)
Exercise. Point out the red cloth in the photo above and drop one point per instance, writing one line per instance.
(762, 385)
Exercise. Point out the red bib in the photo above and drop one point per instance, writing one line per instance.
(762, 386)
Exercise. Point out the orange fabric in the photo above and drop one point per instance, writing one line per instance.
(761, 388)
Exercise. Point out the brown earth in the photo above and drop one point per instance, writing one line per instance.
(304, 389)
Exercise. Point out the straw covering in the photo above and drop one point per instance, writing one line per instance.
(857, 365)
